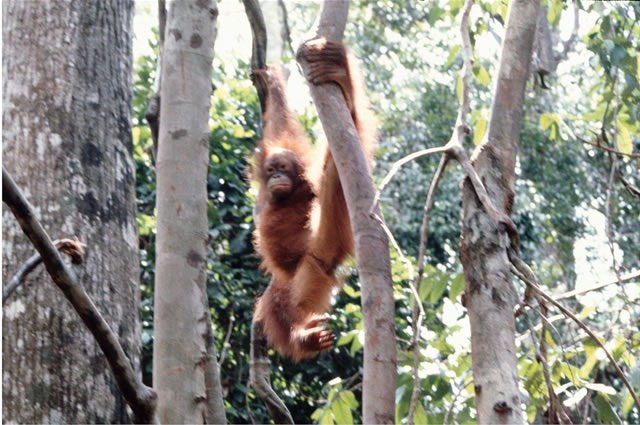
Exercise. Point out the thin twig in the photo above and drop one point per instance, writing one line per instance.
(453, 400)
(418, 311)
(607, 148)
(536, 288)
(404, 259)
(555, 407)
(398, 164)
(225, 344)
(623, 278)
(71, 247)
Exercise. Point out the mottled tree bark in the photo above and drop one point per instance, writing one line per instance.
(181, 361)
(67, 97)
(484, 244)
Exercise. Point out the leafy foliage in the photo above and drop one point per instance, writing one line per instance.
(415, 95)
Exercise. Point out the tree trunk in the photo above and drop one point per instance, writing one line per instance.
(371, 242)
(489, 296)
(67, 98)
(181, 306)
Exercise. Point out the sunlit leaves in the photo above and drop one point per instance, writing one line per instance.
(481, 75)
(551, 122)
(453, 54)
(624, 140)
(339, 407)
(478, 133)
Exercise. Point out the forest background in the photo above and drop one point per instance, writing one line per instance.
(579, 226)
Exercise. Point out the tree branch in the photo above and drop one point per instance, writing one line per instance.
(259, 377)
(259, 47)
(71, 247)
(607, 148)
(533, 285)
(575, 292)
(141, 399)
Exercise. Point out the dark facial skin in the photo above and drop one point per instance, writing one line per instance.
(281, 171)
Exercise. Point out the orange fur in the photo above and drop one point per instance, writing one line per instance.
(304, 237)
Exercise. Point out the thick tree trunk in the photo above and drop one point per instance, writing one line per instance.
(489, 296)
(67, 96)
(180, 358)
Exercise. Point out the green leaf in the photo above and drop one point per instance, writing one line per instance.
(575, 397)
(438, 289)
(590, 348)
(356, 343)
(546, 120)
(453, 53)
(350, 399)
(628, 404)
(341, 412)
(555, 11)
(457, 286)
(617, 54)
(316, 414)
(605, 414)
(531, 412)
(327, 418)
(624, 140)
(608, 45)
(478, 134)
(483, 76)
(459, 89)
(425, 288)
(346, 338)
(420, 417)
(601, 388)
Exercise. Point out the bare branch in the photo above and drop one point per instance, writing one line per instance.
(624, 278)
(71, 247)
(287, 29)
(259, 47)
(141, 399)
(533, 284)
(607, 148)
(417, 304)
(259, 377)
(225, 344)
(555, 407)
(396, 167)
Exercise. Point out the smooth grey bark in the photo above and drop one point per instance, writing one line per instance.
(67, 99)
(188, 388)
(371, 243)
(484, 245)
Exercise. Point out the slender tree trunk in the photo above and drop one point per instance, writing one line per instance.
(371, 242)
(489, 296)
(181, 308)
(67, 98)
